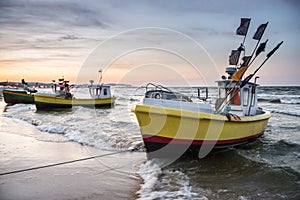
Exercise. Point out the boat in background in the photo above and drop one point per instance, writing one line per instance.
(15, 96)
(173, 124)
(100, 96)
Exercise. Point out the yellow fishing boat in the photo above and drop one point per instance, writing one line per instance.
(100, 96)
(52, 101)
(173, 124)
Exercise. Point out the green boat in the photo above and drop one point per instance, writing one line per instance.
(14, 96)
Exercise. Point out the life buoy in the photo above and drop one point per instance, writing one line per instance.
(157, 96)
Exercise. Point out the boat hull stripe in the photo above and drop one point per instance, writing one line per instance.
(165, 140)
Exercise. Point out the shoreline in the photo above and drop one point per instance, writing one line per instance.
(108, 177)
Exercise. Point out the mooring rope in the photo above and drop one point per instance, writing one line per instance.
(61, 163)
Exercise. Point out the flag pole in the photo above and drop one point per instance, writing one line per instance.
(243, 30)
(266, 24)
(252, 94)
(253, 52)
(100, 75)
(244, 39)
(248, 78)
(243, 43)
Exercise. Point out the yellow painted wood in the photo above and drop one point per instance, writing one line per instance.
(62, 101)
(187, 125)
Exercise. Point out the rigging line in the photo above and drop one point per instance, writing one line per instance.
(61, 163)
(229, 100)
(225, 102)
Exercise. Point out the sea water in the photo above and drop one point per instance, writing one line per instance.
(269, 168)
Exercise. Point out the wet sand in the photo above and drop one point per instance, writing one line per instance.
(107, 177)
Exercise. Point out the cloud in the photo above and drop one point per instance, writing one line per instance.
(69, 29)
(50, 13)
(71, 37)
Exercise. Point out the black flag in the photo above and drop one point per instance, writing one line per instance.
(275, 49)
(243, 28)
(260, 31)
(261, 48)
(246, 60)
(235, 55)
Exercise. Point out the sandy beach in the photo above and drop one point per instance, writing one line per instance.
(107, 177)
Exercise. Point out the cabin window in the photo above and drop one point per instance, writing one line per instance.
(253, 102)
(105, 92)
(253, 96)
(222, 93)
(246, 96)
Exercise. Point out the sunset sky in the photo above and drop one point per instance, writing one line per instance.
(171, 42)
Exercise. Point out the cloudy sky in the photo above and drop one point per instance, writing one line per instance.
(171, 42)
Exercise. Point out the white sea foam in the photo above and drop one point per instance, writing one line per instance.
(149, 172)
(108, 129)
(161, 183)
(51, 128)
(243, 198)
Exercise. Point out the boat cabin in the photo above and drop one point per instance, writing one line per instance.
(236, 100)
(100, 91)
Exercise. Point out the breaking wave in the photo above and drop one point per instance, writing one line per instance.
(161, 183)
